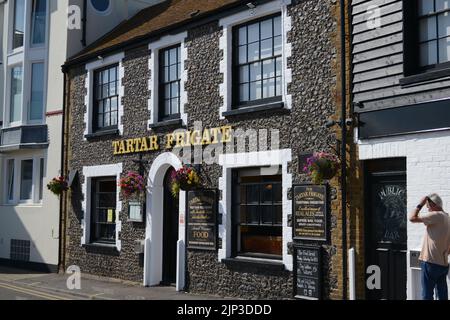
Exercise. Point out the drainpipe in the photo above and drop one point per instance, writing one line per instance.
(344, 151)
(84, 21)
(63, 197)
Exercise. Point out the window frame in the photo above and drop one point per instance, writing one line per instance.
(161, 84)
(235, 232)
(13, 27)
(235, 66)
(32, 26)
(411, 42)
(17, 180)
(93, 211)
(95, 100)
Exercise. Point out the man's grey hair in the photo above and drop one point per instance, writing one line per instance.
(436, 199)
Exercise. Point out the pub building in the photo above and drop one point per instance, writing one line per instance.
(197, 79)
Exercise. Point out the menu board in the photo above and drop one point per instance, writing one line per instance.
(202, 220)
(310, 213)
(308, 273)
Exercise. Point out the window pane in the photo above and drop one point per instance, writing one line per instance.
(278, 86)
(114, 118)
(16, 94)
(269, 88)
(428, 53)
(37, 92)
(41, 179)
(253, 214)
(255, 90)
(427, 29)
(266, 29)
(242, 54)
(19, 23)
(279, 67)
(175, 89)
(253, 32)
(243, 92)
(278, 215)
(173, 73)
(277, 26)
(10, 170)
(100, 122)
(175, 105)
(269, 69)
(242, 214)
(107, 105)
(277, 46)
(166, 57)
(253, 194)
(277, 193)
(26, 180)
(442, 4)
(444, 24)
(166, 74)
(266, 193)
(266, 48)
(167, 94)
(255, 71)
(105, 76)
(242, 35)
(112, 88)
(253, 51)
(105, 91)
(113, 74)
(425, 7)
(107, 120)
(114, 104)
(243, 74)
(444, 50)
(266, 215)
(166, 107)
(38, 23)
(104, 211)
(173, 56)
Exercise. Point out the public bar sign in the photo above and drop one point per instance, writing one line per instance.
(310, 213)
(202, 220)
(308, 273)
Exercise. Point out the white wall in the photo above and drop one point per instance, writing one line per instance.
(428, 170)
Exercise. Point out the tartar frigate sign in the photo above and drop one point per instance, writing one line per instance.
(178, 139)
(202, 220)
(310, 213)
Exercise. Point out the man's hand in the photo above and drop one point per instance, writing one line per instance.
(414, 215)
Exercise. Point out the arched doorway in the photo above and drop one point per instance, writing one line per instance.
(157, 204)
(170, 231)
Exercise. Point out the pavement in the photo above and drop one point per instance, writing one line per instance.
(18, 284)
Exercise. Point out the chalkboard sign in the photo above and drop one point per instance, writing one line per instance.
(308, 273)
(310, 213)
(202, 220)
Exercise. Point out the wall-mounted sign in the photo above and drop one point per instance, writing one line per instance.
(310, 213)
(135, 213)
(178, 139)
(308, 273)
(202, 220)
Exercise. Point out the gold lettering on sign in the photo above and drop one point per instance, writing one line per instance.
(178, 139)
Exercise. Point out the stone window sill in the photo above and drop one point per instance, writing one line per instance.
(102, 133)
(265, 265)
(166, 123)
(100, 248)
(254, 109)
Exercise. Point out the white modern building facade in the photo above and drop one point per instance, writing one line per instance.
(36, 40)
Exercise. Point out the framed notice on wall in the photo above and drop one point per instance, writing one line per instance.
(310, 213)
(308, 272)
(202, 220)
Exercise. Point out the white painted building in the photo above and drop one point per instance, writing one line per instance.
(35, 43)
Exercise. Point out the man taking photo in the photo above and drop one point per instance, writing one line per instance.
(436, 246)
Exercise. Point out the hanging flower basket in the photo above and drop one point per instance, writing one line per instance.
(133, 184)
(185, 179)
(58, 185)
(321, 166)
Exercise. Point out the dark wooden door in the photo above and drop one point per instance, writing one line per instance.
(386, 225)
(170, 233)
